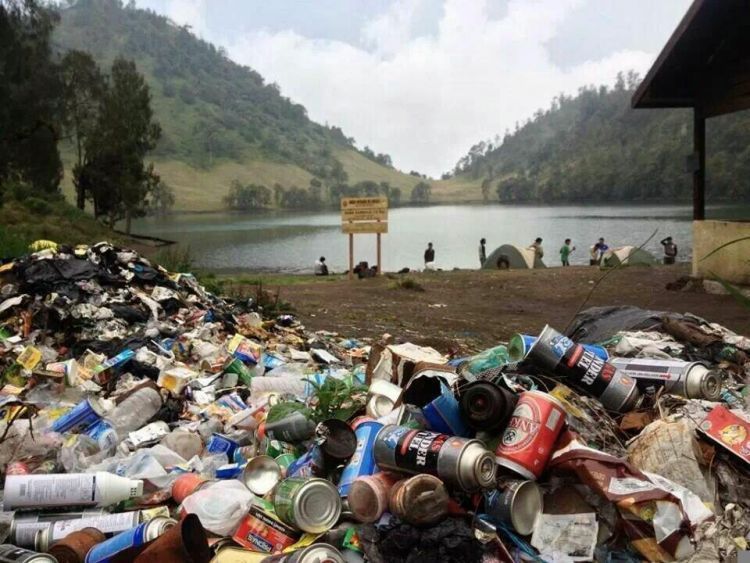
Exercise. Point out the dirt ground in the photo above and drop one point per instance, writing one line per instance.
(475, 310)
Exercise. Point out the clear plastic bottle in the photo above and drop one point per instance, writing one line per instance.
(131, 414)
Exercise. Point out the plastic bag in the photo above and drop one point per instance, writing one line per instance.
(220, 506)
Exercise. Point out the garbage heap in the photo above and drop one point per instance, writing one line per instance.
(147, 420)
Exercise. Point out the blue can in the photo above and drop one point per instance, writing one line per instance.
(220, 444)
(363, 461)
(310, 464)
(81, 416)
(444, 414)
(146, 532)
(104, 435)
(520, 344)
(229, 471)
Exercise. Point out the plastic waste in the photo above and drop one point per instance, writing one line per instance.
(220, 506)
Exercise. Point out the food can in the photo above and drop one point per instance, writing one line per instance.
(312, 505)
(363, 461)
(487, 406)
(260, 531)
(558, 354)
(459, 461)
(315, 553)
(74, 547)
(261, 475)
(528, 441)
(421, 500)
(12, 554)
(692, 380)
(185, 485)
(517, 503)
(368, 496)
(520, 344)
(221, 444)
(81, 416)
(137, 536)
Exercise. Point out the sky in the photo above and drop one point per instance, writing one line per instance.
(424, 80)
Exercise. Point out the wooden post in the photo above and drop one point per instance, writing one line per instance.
(380, 268)
(699, 172)
(351, 256)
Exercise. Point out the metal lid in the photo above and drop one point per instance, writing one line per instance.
(261, 474)
(703, 384)
(480, 467)
(157, 526)
(321, 553)
(527, 505)
(317, 506)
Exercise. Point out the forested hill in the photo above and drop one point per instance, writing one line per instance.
(220, 120)
(595, 147)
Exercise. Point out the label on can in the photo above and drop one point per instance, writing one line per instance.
(363, 461)
(310, 464)
(104, 435)
(419, 450)
(40, 491)
(589, 370)
(107, 524)
(260, 531)
(102, 552)
(283, 498)
(12, 554)
(522, 428)
(80, 416)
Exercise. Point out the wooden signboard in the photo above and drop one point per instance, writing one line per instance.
(361, 215)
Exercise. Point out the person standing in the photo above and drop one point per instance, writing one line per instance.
(565, 251)
(482, 252)
(429, 257)
(670, 250)
(537, 248)
(598, 251)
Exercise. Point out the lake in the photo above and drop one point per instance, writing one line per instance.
(291, 242)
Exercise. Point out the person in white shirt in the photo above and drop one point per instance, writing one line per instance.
(321, 269)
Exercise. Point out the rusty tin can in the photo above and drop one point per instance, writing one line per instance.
(368, 496)
(419, 500)
(74, 547)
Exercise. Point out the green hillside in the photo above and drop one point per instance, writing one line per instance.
(594, 147)
(221, 121)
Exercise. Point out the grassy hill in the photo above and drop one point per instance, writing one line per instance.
(221, 121)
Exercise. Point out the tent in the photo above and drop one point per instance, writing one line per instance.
(628, 256)
(512, 256)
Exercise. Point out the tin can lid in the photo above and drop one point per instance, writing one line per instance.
(261, 474)
(317, 506)
(321, 553)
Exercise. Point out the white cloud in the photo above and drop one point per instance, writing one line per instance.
(425, 100)
(189, 12)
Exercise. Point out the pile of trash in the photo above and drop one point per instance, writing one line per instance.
(145, 420)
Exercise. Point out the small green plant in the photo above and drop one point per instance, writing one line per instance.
(337, 398)
(175, 259)
(408, 284)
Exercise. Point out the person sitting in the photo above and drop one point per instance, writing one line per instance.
(321, 269)
(670, 250)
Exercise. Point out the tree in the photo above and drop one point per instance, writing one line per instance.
(115, 175)
(486, 183)
(421, 193)
(394, 197)
(162, 199)
(245, 198)
(30, 104)
(83, 88)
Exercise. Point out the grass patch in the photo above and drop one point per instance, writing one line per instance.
(175, 259)
(407, 284)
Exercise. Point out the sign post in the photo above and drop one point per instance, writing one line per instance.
(362, 215)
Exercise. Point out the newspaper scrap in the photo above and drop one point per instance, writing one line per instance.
(566, 537)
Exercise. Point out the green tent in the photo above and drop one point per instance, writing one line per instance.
(512, 257)
(628, 256)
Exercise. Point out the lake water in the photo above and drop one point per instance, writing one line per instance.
(291, 242)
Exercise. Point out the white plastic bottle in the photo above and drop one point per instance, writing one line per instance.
(68, 489)
(131, 414)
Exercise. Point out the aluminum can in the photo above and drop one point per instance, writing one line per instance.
(520, 344)
(368, 496)
(81, 416)
(692, 380)
(529, 439)
(363, 461)
(315, 553)
(74, 547)
(12, 554)
(517, 503)
(260, 531)
(139, 535)
(487, 406)
(311, 505)
(421, 500)
(558, 354)
(458, 461)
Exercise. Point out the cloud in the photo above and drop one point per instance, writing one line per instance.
(426, 100)
(189, 12)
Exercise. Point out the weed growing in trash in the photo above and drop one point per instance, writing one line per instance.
(337, 398)
(408, 284)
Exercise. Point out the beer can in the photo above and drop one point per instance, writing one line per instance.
(74, 547)
(260, 531)
(421, 500)
(558, 354)
(311, 505)
(81, 416)
(12, 554)
(261, 475)
(520, 344)
(460, 462)
(315, 553)
(517, 503)
(692, 380)
(530, 437)
(363, 461)
(487, 406)
(141, 534)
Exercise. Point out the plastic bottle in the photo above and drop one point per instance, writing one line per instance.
(69, 489)
(131, 414)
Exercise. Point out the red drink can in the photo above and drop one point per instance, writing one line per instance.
(534, 427)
